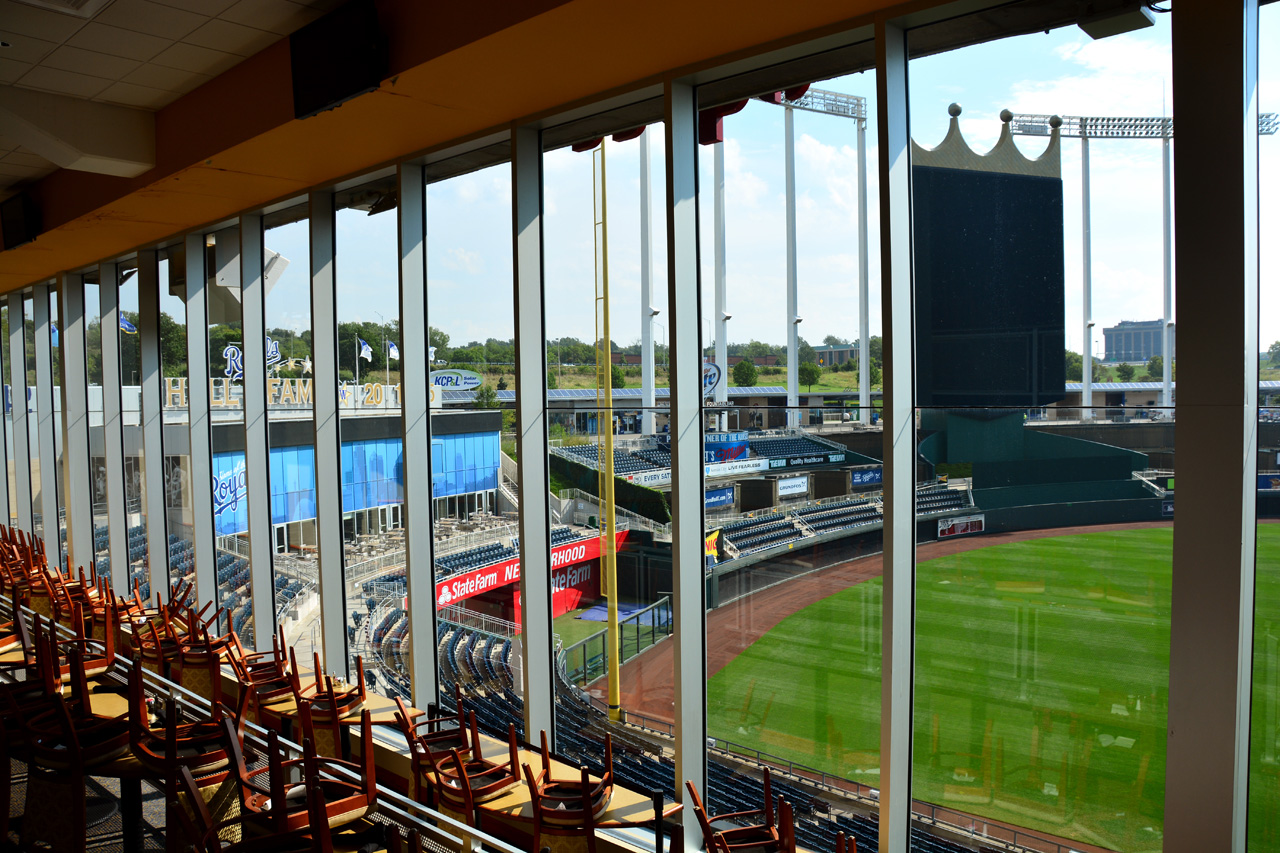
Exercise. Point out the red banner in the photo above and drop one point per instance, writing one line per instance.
(564, 558)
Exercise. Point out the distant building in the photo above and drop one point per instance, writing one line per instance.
(836, 354)
(1137, 340)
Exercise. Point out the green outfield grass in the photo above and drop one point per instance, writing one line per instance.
(1040, 692)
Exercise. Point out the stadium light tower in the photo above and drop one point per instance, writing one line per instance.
(1100, 127)
(846, 106)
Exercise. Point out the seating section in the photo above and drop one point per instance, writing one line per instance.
(563, 535)
(757, 533)
(623, 462)
(938, 499)
(474, 558)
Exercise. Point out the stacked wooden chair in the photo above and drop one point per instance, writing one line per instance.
(756, 829)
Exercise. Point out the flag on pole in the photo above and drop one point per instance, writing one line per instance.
(127, 327)
(366, 351)
(393, 351)
(53, 333)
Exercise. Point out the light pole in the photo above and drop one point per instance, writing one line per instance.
(1111, 127)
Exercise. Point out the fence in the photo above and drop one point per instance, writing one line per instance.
(587, 660)
(478, 622)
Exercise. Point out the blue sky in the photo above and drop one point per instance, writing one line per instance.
(1064, 72)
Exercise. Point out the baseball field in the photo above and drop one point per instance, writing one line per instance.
(1040, 689)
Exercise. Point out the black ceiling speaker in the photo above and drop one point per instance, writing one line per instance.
(336, 58)
(19, 220)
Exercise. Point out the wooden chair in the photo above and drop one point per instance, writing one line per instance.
(264, 674)
(846, 845)
(192, 819)
(198, 744)
(762, 836)
(436, 735)
(572, 808)
(601, 793)
(462, 784)
(272, 804)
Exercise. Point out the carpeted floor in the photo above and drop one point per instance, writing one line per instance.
(103, 796)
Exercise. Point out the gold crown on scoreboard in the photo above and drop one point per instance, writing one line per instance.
(1004, 157)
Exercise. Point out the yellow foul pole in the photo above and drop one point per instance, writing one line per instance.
(604, 430)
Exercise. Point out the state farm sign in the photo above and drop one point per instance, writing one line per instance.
(460, 587)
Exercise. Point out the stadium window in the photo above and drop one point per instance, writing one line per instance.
(608, 383)
(470, 323)
(1264, 730)
(1041, 662)
(370, 467)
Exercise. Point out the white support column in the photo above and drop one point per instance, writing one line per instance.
(684, 302)
(899, 440)
(152, 418)
(1086, 375)
(416, 421)
(77, 488)
(647, 312)
(721, 296)
(198, 424)
(793, 309)
(864, 288)
(1212, 609)
(113, 428)
(18, 408)
(257, 453)
(45, 427)
(328, 435)
(1166, 357)
(531, 427)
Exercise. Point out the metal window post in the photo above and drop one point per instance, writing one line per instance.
(899, 439)
(257, 448)
(327, 435)
(793, 308)
(18, 408)
(152, 419)
(75, 422)
(1086, 376)
(864, 288)
(1166, 351)
(721, 324)
(531, 427)
(415, 412)
(1211, 620)
(647, 312)
(45, 430)
(113, 428)
(205, 551)
(688, 574)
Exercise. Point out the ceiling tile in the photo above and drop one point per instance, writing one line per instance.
(7, 144)
(23, 157)
(132, 95)
(169, 79)
(15, 170)
(89, 62)
(25, 48)
(41, 23)
(63, 82)
(10, 71)
(190, 57)
(278, 16)
(233, 38)
(152, 18)
(200, 7)
(118, 42)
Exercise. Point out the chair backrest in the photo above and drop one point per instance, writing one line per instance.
(700, 811)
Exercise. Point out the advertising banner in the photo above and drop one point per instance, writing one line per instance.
(716, 498)
(660, 477)
(867, 477)
(724, 446)
(793, 486)
(834, 457)
(1266, 481)
(961, 525)
(1166, 508)
(563, 558)
(743, 466)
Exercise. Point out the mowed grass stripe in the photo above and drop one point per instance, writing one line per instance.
(1064, 640)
